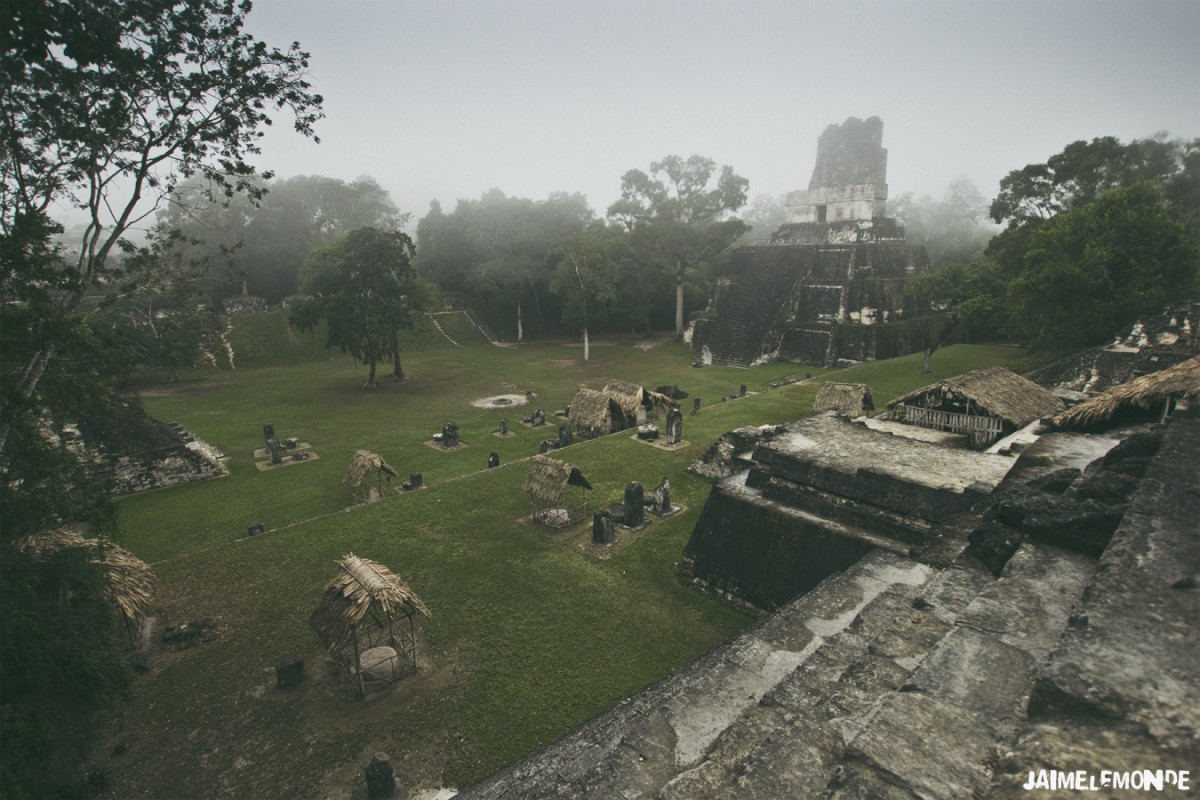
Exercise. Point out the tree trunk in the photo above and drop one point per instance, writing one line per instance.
(25, 389)
(679, 271)
(585, 344)
(943, 335)
(520, 327)
(372, 358)
(397, 370)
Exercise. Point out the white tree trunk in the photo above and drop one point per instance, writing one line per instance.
(679, 300)
(520, 328)
(585, 344)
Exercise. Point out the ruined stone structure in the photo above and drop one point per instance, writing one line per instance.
(829, 288)
(134, 452)
(961, 649)
(816, 496)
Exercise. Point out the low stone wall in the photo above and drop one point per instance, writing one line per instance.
(820, 494)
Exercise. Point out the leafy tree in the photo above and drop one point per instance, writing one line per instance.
(1096, 267)
(586, 278)
(977, 291)
(364, 286)
(679, 215)
(107, 104)
(1082, 173)
(1098, 235)
(60, 661)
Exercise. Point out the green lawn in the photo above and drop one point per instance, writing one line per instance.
(529, 636)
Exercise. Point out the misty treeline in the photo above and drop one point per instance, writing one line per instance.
(1096, 236)
(520, 262)
(659, 245)
(257, 246)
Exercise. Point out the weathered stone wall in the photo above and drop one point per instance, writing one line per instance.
(846, 345)
(850, 153)
(1151, 344)
(761, 553)
(900, 679)
(836, 203)
(879, 229)
(824, 490)
(777, 299)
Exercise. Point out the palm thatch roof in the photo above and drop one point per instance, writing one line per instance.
(549, 476)
(995, 390)
(361, 464)
(130, 583)
(847, 399)
(1179, 381)
(591, 409)
(628, 396)
(361, 586)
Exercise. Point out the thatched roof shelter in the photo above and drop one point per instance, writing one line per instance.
(548, 477)
(364, 463)
(592, 412)
(359, 609)
(1002, 393)
(547, 483)
(627, 396)
(847, 399)
(131, 582)
(983, 404)
(1158, 389)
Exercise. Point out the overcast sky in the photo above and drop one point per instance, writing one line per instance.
(448, 99)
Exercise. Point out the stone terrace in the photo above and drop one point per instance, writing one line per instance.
(902, 679)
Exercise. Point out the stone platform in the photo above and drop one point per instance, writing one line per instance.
(897, 678)
(819, 494)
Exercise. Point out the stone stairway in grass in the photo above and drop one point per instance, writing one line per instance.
(746, 310)
(891, 679)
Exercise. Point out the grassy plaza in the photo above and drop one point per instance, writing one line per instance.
(530, 634)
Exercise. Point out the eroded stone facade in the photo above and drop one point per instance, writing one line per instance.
(829, 289)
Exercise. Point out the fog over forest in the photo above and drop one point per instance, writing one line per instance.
(448, 100)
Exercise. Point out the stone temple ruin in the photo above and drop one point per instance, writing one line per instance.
(944, 622)
(828, 290)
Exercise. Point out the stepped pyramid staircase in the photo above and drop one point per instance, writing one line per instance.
(748, 308)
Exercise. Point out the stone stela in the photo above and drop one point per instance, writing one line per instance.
(275, 453)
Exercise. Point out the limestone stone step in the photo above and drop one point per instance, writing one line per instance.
(669, 728)
(942, 731)
(791, 744)
(1119, 691)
